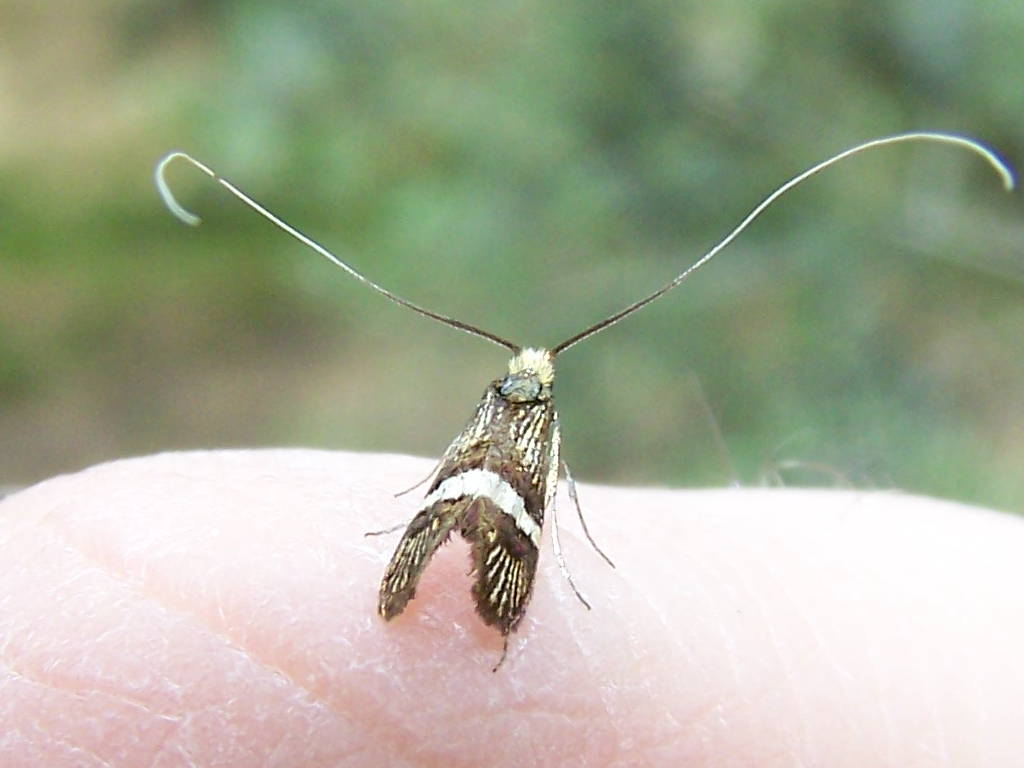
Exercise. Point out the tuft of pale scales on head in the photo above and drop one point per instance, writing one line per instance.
(538, 361)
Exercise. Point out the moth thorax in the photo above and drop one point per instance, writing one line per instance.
(530, 375)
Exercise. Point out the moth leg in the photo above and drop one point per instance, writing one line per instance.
(579, 511)
(385, 531)
(560, 558)
(504, 654)
(427, 531)
(400, 525)
(424, 480)
(440, 463)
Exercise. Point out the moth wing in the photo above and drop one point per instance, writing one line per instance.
(505, 561)
(424, 534)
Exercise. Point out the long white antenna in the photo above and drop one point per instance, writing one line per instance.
(943, 138)
(192, 220)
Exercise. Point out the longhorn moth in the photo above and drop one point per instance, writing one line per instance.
(496, 481)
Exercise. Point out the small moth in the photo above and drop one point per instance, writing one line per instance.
(495, 484)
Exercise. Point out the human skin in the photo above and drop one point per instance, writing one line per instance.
(218, 609)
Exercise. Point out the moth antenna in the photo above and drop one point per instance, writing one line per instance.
(191, 219)
(942, 138)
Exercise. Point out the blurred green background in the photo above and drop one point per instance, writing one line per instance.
(529, 167)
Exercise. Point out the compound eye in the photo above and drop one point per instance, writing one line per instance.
(521, 388)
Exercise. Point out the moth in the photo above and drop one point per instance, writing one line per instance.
(495, 484)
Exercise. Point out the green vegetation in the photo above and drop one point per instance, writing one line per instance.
(528, 167)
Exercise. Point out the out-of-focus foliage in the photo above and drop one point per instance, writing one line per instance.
(528, 167)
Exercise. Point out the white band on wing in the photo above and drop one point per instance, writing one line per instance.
(477, 483)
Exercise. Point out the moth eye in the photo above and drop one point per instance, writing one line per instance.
(521, 387)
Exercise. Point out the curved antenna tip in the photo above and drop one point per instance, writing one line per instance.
(990, 156)
(1005, 171)
(164, 188)
(1009, 180)
(998, 164)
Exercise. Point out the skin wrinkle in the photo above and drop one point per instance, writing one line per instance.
(186, 754)
(74, 748)
(138, 590)
(768, 621)
(407, 741)
(930, 700)
(652, 737)
(707, 718)
(887, 716)
(744, 577)
(981, 706)
(702, 590)
(398, 741)
(119, 697)
(649, 685)
(807, 619)
(921, 684)
(663, 630)
(56, 738)
(127, 581)
(978, 743)
(529, 703)
(799, 614)
(872, 643)
(710, 712)
(730, 645)
(566, 596)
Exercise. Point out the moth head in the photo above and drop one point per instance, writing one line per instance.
(530, 375)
